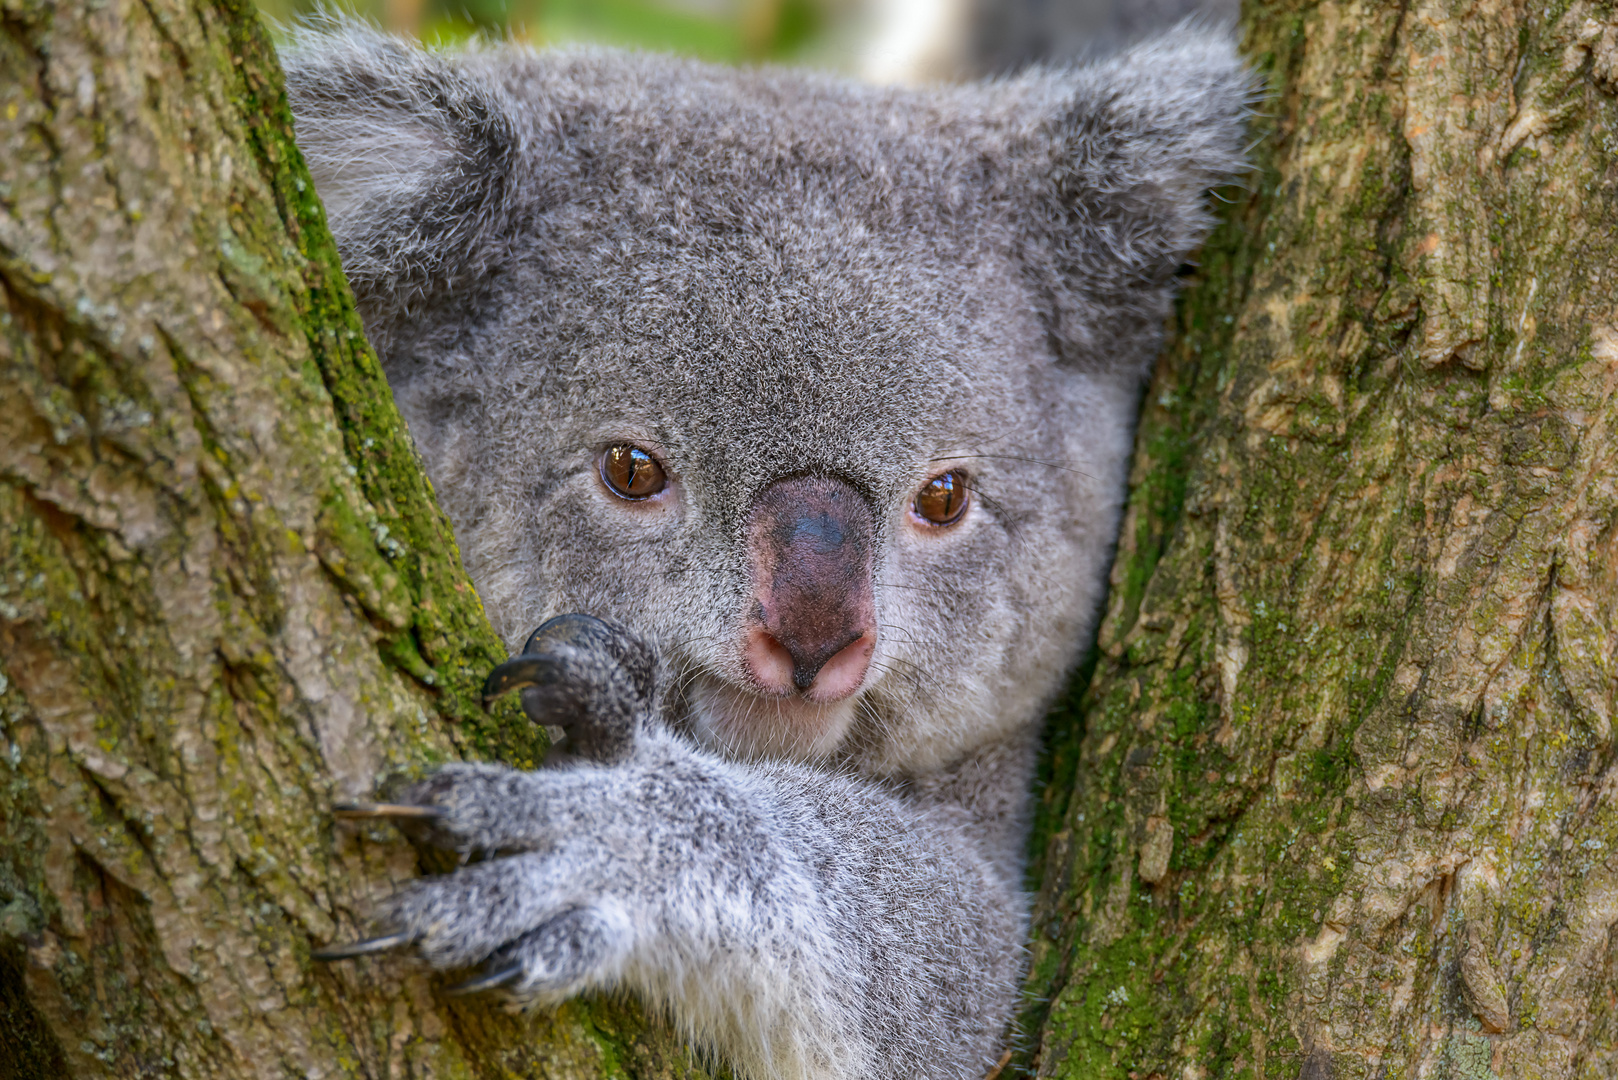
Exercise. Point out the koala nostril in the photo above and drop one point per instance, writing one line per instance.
(832, 675)
(810, 657)
(768, 662)
(844, 672)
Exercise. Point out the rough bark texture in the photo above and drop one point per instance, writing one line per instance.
(226, 595)
(1339, 800)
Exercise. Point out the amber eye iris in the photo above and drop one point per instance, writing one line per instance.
(943, 499)
(631, 473)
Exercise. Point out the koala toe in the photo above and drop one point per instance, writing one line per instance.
(570, 953)
(471, 807)
(536, 940)
(465, 917)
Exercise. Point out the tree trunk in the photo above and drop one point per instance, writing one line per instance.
(1339, 798)
(227, 597)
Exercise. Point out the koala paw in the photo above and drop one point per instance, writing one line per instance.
(536, 938)
(543, 921)
(594, 680)
(543, 918)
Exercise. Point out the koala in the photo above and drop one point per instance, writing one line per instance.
(796, 414)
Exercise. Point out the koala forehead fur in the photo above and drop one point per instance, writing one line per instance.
(764, 275)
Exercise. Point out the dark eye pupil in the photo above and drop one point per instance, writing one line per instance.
(631, 472)
(943, 499)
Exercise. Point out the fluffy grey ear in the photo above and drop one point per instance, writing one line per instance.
(1135, 144)
(412, 155)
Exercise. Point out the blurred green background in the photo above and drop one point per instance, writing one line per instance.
(819, 32)
(908, 42)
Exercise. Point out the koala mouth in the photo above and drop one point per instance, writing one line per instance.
(746, 724)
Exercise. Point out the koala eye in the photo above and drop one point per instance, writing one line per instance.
(631, 473)
(942, 500)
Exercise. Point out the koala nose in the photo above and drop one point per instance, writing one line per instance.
(812, 627)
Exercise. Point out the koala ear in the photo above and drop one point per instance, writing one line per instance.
(1128, 150)
(412, 155)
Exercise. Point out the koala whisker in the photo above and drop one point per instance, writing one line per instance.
(684, 683)
(682, 642)
(683, 680)
(684, 677)
(903, 634)
(1018, 457)
(920, 673)
(912, 682)
(896, 585)
(1010, 433)
(912, 673)
(867, 711)
(921, 643)
(1011, 523)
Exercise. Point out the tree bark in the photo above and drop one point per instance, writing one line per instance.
(1339, 798)
(227, 597)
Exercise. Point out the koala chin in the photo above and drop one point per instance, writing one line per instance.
(796, 415)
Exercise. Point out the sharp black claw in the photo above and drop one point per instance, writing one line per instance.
(355, 811)
(516, 673)
(488, 981)
(363, 948)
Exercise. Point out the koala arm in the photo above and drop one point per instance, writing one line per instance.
(804, 925)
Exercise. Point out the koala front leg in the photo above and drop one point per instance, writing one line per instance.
(800, 923)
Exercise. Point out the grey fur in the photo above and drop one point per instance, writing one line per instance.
(759, 275)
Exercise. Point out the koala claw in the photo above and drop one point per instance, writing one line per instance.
(491, 981)
(369, 947)
(519, 673)
(358, 811)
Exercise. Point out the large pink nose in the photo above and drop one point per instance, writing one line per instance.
(813, 623)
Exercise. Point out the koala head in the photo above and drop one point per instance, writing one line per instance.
(827, 390)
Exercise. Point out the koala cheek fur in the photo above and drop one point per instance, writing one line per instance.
(804, 717)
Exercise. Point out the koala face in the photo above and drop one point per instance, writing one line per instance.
(825, 390)
(781, 559)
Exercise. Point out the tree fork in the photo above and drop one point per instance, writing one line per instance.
(227, 596)
(1338, 801)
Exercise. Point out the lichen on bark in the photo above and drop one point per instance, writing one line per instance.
(1357, 671)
